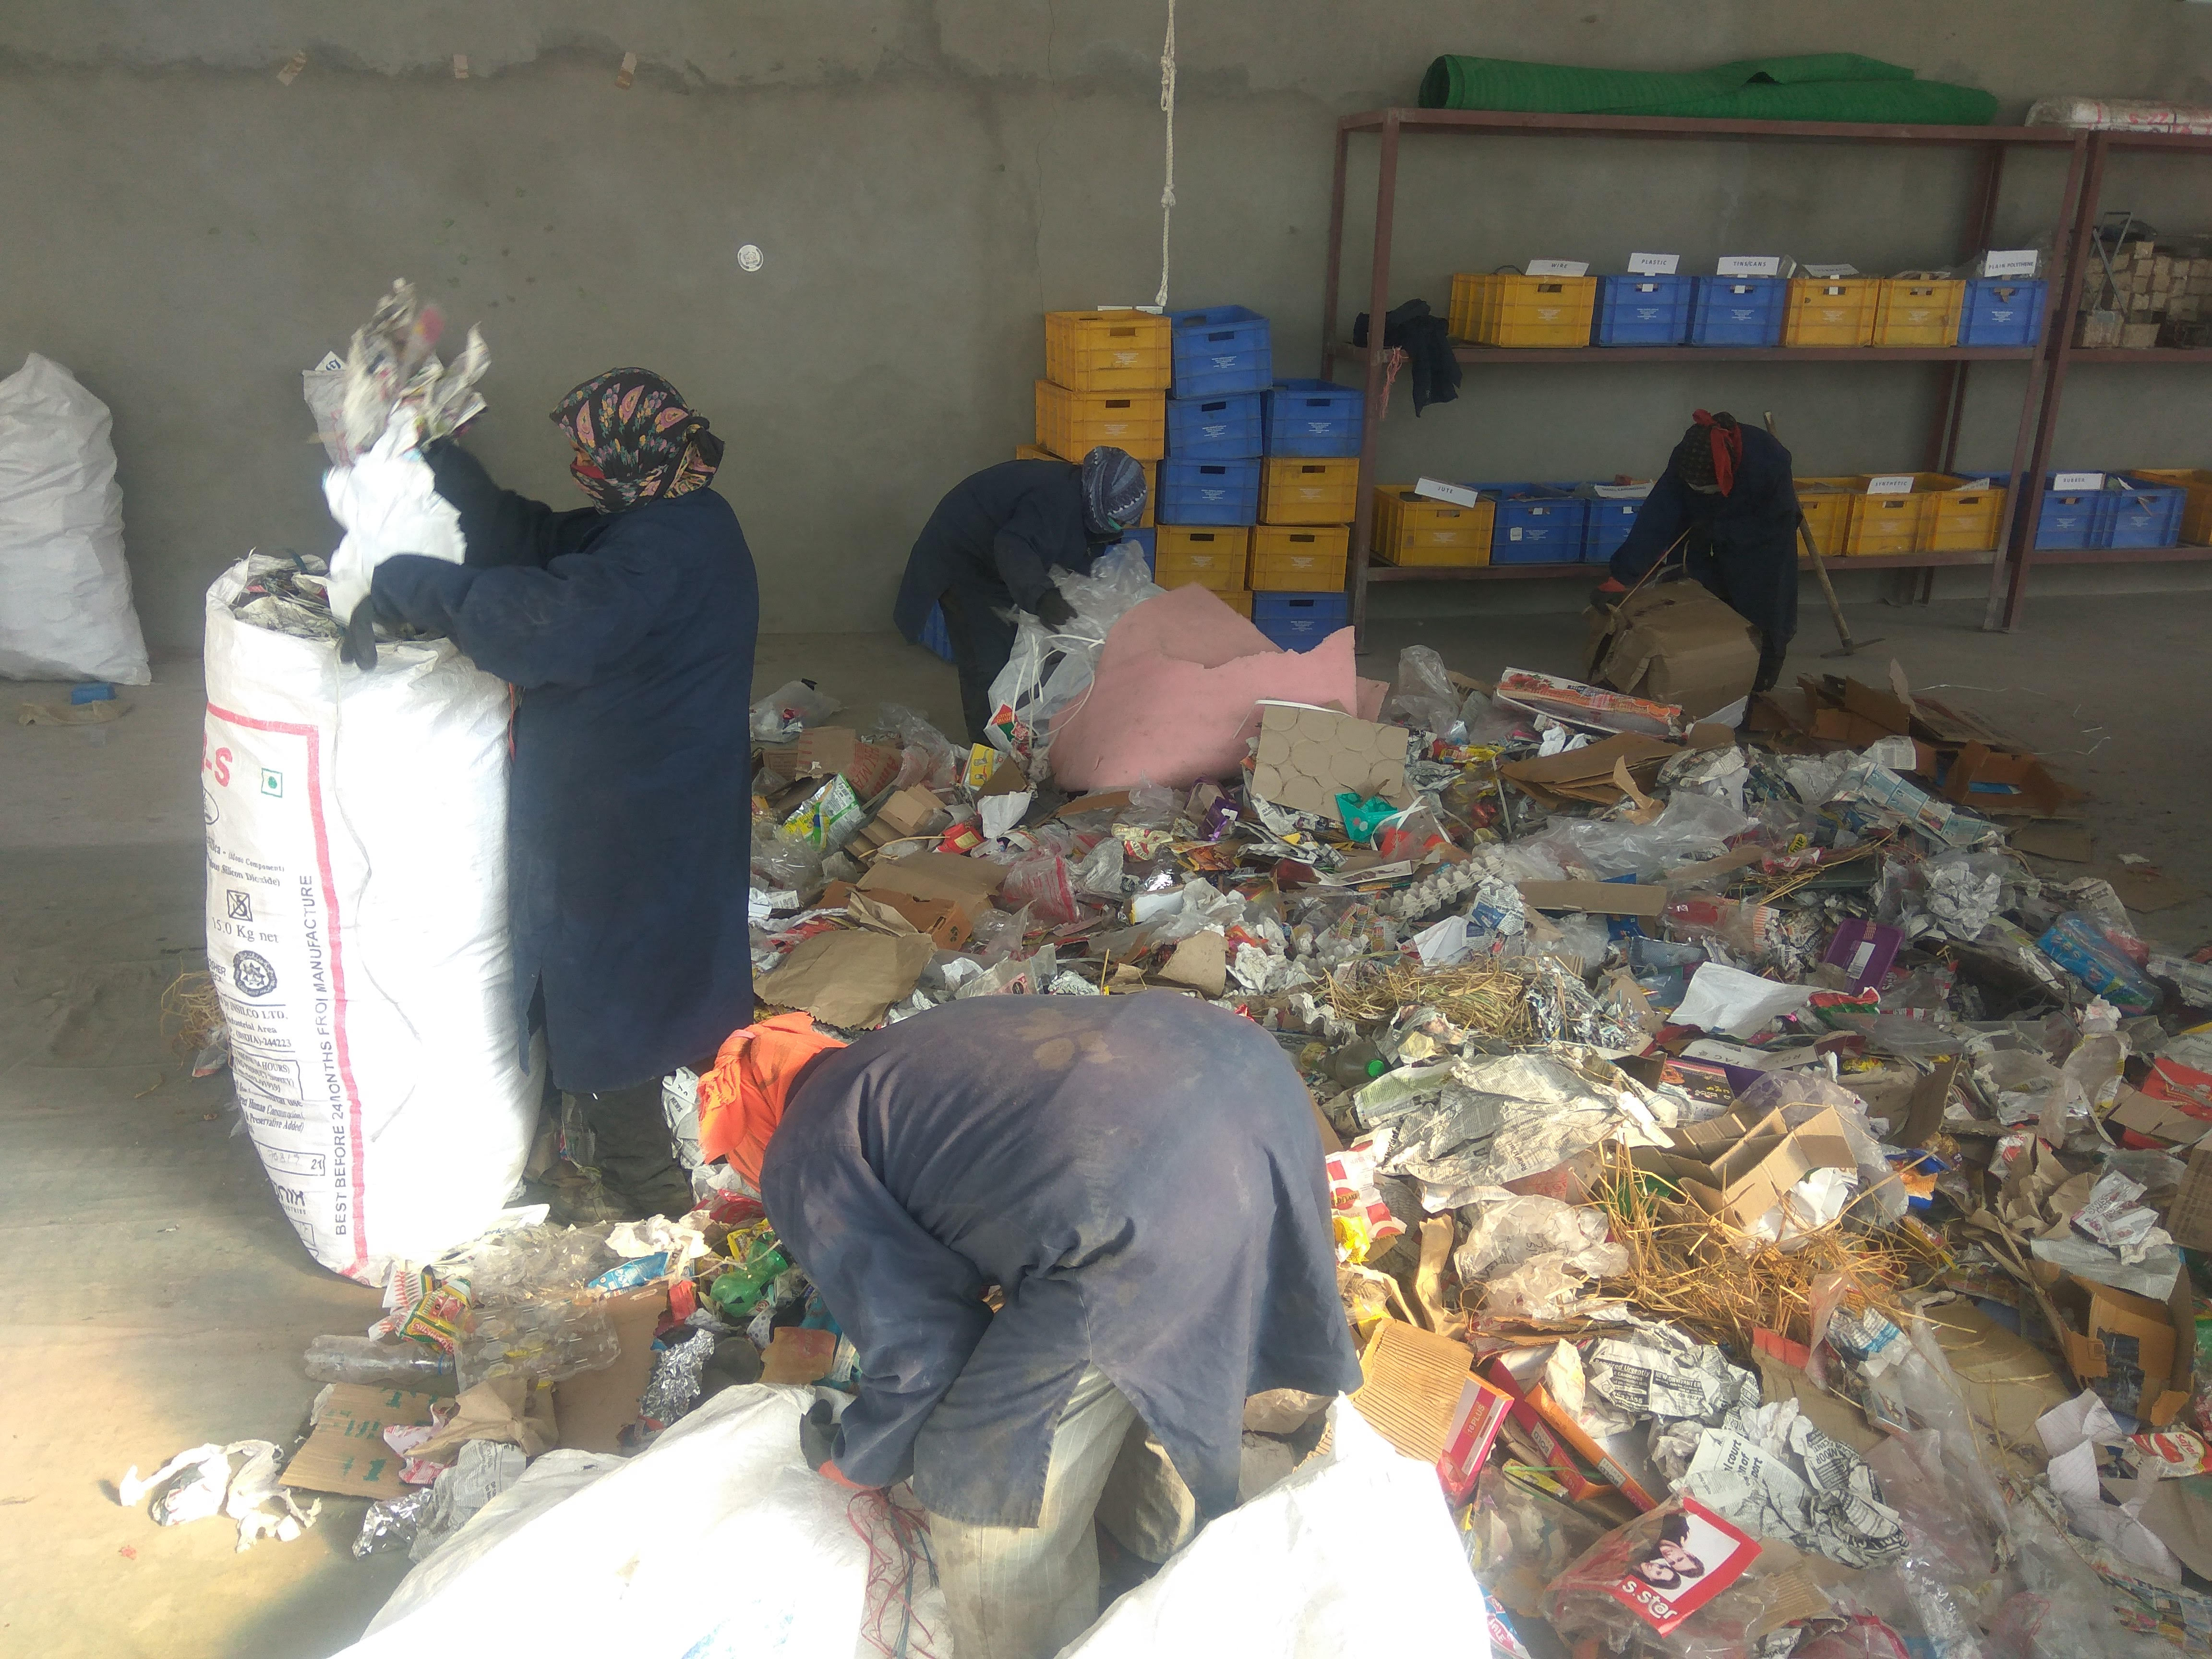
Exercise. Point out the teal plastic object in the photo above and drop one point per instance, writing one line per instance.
(1362, 817)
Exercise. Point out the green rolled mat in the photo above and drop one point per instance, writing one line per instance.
(1837, 86)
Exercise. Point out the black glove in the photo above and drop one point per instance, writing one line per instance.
(817, 1435)
(1054, 610)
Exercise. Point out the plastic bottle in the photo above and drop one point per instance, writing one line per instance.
(1356, 1063)
(379, 1364)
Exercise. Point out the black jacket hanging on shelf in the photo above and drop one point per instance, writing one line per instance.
(1433, 369)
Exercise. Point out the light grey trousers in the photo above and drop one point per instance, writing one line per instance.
(1027, 1592)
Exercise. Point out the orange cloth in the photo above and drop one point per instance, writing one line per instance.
(742, 1100)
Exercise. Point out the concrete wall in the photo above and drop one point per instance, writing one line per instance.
(925, 179)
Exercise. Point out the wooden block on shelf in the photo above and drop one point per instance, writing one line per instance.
(2098, 330)
(2139, 336)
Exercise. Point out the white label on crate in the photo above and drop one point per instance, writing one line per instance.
(1831, 272)
(1653, 264)
(1435, 489)
(2011, 262)
(1972, 484)
(1513, 534)
(1890, 484)
(1748, 264)
(1156, 311)
(1558, 267)
(2071, 481)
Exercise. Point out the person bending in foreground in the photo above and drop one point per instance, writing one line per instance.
(1140, 1176)
(1727, 495)
(992, 546)
(627, 628)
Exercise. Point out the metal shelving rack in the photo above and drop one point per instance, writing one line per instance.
(1993, 144)
(2006, 595)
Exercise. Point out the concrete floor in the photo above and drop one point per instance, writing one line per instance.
(152, 1298)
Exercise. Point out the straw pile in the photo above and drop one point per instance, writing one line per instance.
(1722, 1283)
(190, 1014)
(1491, 1000)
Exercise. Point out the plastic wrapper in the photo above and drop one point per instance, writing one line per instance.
(390, 1523)
(1518, 1540)
(1767, 936)
(790, 709)
(1423, 697)
(926, 756)
(1691, 828)
(542, 1342)
(782, 860)
(678, 1374)
(1673, 1581)
(2092, 954)
(1040, 883)
(998, 930)
(1049, 670)
(1099, 874)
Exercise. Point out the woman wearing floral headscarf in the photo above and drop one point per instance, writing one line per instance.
(627, 629)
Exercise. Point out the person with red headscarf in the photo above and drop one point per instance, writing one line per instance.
(1728, 499)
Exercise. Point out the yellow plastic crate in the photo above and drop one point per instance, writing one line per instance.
(1108, 350)
(1293, 490)
(2197, 502)
(1032, 452)
(1240, 601)
(1830, 311)
(1071, 424)
(1886, 524)
(1962, 515)
(1827, 503)
(1468, 291)
(1296, 559)
(1411, 531)
(1536, 311)
(1913, 311)
(1215, 557)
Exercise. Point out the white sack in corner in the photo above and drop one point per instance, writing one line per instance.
(64, 590)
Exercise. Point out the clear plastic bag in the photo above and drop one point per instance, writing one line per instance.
(926, 756)
(790, 709)
(1519, 1541)
(541, 1341)
(1049, 670)
(1039, 882)
(1099, 874)
(783, 862)
(1693, 827)
(1423, 698)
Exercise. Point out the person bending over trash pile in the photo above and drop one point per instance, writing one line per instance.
(627, 628)
(1139, 1179)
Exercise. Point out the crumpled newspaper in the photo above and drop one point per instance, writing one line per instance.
(1771, 1472)
(1644, 1381)
(1720, 773)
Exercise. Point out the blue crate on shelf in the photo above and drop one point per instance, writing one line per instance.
(1738, 311)
(935, 636)
(1641, 311)
(1225, 348)
(2071, 518)
(1537, 523)
(1299, 622)
(1607, 526)
(1209, 492)
(1230, 428)
(1146, 543)
(2140, 514)
(2002, 311)
(1312, 418)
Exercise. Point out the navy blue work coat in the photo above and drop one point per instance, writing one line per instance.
(1742, 545)
(997, 537)
(1142, 1177)
(629, 637)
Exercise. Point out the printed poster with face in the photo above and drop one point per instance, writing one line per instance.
(1695, 1556)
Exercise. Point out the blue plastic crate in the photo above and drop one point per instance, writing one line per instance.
(2001, 311)
(1298, 622)
(1536, 523)
(1641, 311)
(935, 635)
(2070, 520)
(1209, 492)
(1230, 428)
(2140, 514)
(1224, 350)
(1147, 544)
(1607, 526)
(1313, 419)
(1738, 311)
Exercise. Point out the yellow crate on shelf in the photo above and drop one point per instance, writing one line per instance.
(1071, 424)
(1830, 311)
(1411, 531)
(2195, 483)
(1886, 524)
(1108, 350)
(1215, 557)
(1297, 490)
(1535, 311)
(1918, 311)
(1468, 291)
(1240, 601)
(1299, 559)
(1962, 514)
(1827, 503)
(1033, 452)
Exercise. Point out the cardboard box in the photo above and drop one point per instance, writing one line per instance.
(1999, 784)
(964, 882)
(1646, 900)
(1411, 1388)
(1307, 756)
(2143, 1353)
(346, 1453)
(1741, 1170)
(946, 921)
(823, 749)
(1676, 643)
(2153, 1122)
(594, 1408)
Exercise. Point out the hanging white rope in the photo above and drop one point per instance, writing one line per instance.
(1167, 192)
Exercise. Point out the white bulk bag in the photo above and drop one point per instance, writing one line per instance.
(357, 922)
(64, 590)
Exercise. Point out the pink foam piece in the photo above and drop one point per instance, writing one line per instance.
(1174, 690)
